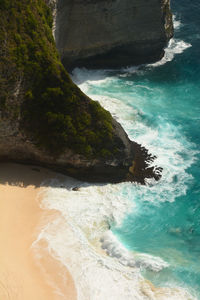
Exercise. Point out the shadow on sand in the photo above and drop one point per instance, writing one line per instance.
(28, 175)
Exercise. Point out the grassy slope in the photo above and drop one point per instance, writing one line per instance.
(36, 90)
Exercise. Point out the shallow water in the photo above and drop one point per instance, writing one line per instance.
(150, 231)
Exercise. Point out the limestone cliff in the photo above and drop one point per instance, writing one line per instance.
(112, 33)
(44, 117)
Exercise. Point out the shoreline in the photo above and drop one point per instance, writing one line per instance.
(137, 169)
(45, 252)
(23, 276)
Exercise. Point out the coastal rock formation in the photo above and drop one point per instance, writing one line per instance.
(45, 119)
(130, 164)
(112, 33)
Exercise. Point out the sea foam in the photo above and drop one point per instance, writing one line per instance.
(79, 236)
(175, 46)
(135, 260)
(177, 23)
(175, 154)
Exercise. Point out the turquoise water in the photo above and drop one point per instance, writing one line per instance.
(159, 106)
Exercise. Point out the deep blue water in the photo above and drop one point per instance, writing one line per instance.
(159, 106)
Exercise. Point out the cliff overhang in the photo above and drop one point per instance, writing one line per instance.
(112, 34)
(45, 119)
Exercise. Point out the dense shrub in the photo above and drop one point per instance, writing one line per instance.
(53, 112)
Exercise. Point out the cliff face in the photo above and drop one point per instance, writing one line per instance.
(112, 33)
(44, 117)
(131, 164)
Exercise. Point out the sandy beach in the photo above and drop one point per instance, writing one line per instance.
(21, 219)
(28, 271)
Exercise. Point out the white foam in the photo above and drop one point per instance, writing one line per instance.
(82, 75)
(175, 46)
(77, 237)
(135, 260)
(177, 23)
(165, 141)
(130, 70)
(74, 239)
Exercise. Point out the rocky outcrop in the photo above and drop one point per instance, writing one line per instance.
(45, 119)
(112, 33)
(131, 164)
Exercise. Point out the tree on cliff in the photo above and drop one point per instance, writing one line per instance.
(36, 90)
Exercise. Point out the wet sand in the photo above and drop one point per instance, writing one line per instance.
(22, 275)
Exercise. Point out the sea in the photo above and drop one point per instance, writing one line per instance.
(128, 241)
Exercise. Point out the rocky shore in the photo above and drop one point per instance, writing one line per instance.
(45, 119)
(131, 164)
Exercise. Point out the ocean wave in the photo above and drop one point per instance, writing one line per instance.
(81, 237)
(128, 258)
(175, 46)
(76, 238)
(175, 154)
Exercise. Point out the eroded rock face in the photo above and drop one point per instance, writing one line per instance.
(40, 107)
(112, 33)
(131, 164)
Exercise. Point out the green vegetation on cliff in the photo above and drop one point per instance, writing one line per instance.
(37, 92)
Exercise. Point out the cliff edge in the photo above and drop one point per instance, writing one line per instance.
(112, 33)
(45, 119)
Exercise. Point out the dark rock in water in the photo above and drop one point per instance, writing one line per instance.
(112, 34)
(75, 189)
(140, 169)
